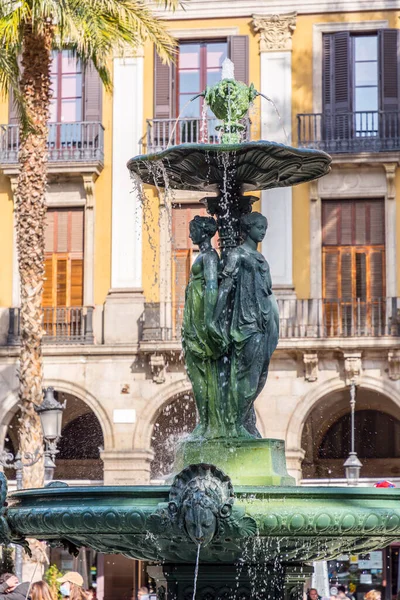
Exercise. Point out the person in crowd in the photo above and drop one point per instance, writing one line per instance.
(41, 591)
(342, 593)
(143, 593)
(373, 595)
(71, 586)
(312, 594)
(91, 593)
(12, 589)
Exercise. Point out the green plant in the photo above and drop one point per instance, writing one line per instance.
(50, 577)
(7, 560)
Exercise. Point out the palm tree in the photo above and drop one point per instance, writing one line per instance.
(30, 30)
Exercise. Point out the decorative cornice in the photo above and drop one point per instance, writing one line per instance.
(275, 31)
(390, 169)
(208, 9)
(88, 184)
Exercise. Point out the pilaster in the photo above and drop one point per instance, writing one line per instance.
(125, 302)
(125, 467)
(88, 278)
(15, 270)
(276, 66)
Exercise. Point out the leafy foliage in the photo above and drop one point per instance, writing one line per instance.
(7, 560)
(50, 577)
(93, 30)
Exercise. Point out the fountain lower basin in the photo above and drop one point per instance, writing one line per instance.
(296, 524)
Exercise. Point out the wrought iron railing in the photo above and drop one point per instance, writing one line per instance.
(76, 142)
(309, 318)
(62, 325)
(361, 131)
(162, 133)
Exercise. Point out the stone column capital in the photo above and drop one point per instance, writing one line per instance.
(275, 31)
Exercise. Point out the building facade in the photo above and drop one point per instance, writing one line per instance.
(117, 261)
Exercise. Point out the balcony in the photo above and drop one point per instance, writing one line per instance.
(350, 132)
(62, 325)
(309, 319)
(80, 143)
(162, 133)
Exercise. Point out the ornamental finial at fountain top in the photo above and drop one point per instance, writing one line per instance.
(230, 101)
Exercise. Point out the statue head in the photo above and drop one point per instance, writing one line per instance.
(200, 496)
(254, 225)
(201, 228)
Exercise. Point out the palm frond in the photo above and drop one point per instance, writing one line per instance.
(9, 83)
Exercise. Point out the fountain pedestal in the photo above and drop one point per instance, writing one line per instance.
(226, 582)
(247, 462)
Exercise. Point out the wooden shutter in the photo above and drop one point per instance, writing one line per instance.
(336, 72)
(163, 94)
(377, 274)
(327, 70)
(238, 52)
(62, 281)
(48, 299)
(76, 282)
(330, 272)
(389, 65)
(93, 91)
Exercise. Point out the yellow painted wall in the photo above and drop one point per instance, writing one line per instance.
(6, 242)
(151, 226)
(302, 102)
(103, 207)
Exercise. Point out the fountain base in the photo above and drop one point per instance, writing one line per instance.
(255, 462)
(241, 582)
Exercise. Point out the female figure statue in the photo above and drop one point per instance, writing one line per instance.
(246, 318)
(200, 299)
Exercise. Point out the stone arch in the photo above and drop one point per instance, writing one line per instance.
(9, 406)
(142, 434)
(298, 418)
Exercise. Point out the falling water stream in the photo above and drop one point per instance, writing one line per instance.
(196, 571)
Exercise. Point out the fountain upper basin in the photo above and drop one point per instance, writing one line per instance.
(254, 166)
(295, 523)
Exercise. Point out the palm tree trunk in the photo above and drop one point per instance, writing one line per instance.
(30, 222)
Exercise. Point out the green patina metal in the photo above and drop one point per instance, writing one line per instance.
(227, 493)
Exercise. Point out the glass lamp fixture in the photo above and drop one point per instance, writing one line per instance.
(50, 413)
(352, 467)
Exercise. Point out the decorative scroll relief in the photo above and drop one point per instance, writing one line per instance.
(275, 31)
(394, 364)
(310, 361)
(352, 367)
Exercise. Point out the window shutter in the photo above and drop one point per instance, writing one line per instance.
(93, 92)
(377, 222)
(329, 223)
(342, 72)
(238, 52)
(163, 95)
(62, 282)
(49, 231)
(76, 282)
(327, 70)
(76, 239)
(48, 282)
(377, 274)
(346, 276)
(346, 221)
(389, 65)
(62, 231)
(331, 264)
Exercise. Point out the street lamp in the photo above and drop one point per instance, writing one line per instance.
(352, 464)
(7, 461)
(50, 413)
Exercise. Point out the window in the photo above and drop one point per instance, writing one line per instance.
(184, 253)
(360, 87)
(63, 258)
(353, 261)
(66, 79)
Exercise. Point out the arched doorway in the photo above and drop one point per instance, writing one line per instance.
(326, 436)
(79, 447)
(175, 421)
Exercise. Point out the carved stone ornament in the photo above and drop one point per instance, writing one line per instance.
(310, 366)
(201, 495)
(158, 366)
(275, 31)
(394, 364)
(390, 169)
(352, 367)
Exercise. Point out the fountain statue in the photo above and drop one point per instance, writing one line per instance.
(229, 503)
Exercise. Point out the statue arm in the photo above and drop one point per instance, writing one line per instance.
(210, 263)
(228, 277)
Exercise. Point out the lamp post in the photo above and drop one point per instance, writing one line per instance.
(18, 464)
(352, 464)
(50, 413)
